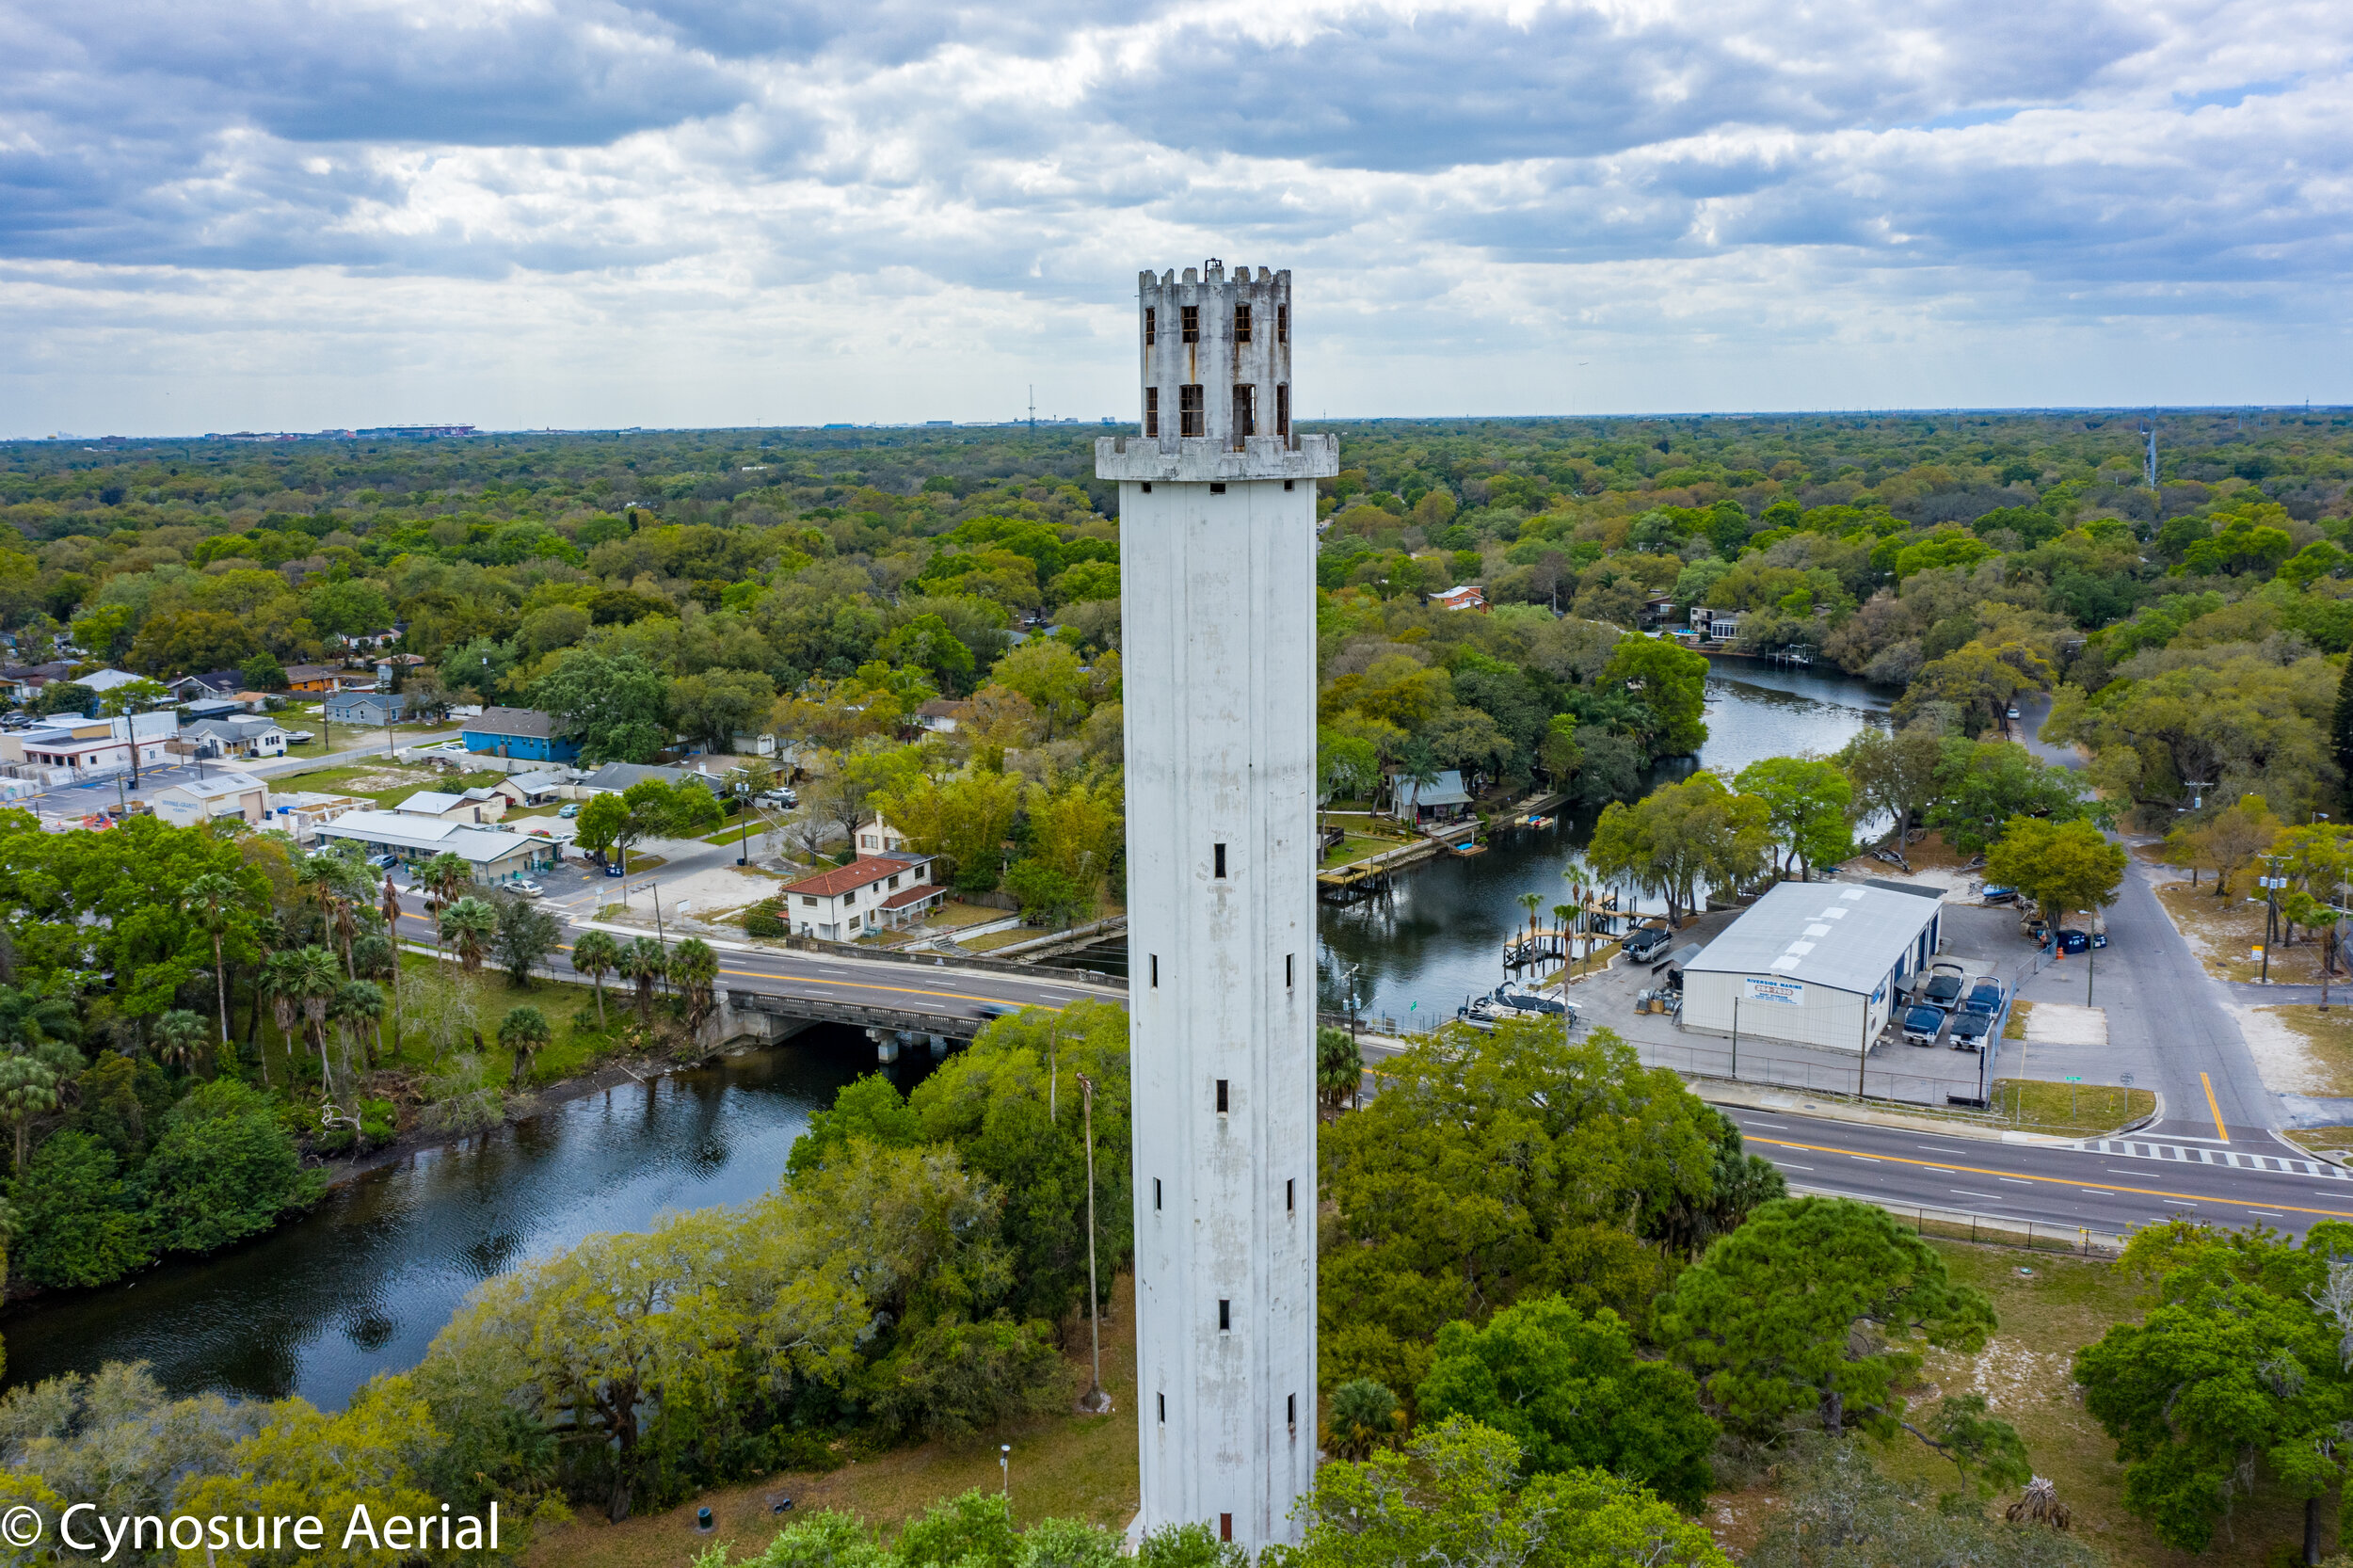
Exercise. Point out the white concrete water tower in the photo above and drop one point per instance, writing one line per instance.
(1217, 508)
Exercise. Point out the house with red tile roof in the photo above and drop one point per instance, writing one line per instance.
(873, 892)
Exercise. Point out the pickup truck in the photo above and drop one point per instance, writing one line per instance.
(1922, 1024)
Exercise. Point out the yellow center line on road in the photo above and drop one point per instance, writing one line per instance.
(2219, 1130)
(2046, 1181)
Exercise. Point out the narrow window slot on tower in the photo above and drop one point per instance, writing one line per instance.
(1218, 855)
(1221, 1097)
(1164, 1399)
(1290, 1412)
(1225, 1316)
(1156, 971)
(1282, 324)
(1190, 322)
(1226, 1527)
(1148, 487)
(1241, 324)
(1290, 1195)
(1283, 410)
(1286, 484)
(1217, 489)
(1245, 414)
(1291, 967)
(1152, 411)
(1189, 418)
(1156, 1194)
(1151, 327)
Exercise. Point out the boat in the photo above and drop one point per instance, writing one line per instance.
(1541, 821)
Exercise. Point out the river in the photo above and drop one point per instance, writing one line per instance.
(363, 1283)
(1439, 938)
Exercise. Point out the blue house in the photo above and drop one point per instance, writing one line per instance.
(524, 733)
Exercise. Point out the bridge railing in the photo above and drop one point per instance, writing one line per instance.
(855, 1014)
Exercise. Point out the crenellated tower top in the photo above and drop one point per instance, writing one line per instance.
(1215, 352)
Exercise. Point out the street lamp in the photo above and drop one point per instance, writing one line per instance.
(743, 823)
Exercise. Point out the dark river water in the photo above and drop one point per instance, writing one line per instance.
(1439, 938)
(362, 1284)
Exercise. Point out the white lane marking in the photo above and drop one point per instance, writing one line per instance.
(2179, 1203)
(2137, 1176)
(2267, 1213)
(1966, 1193)
(2096, 1191)
(1865, 1158)
(1786, 1166)
(1775, 1126)
(1946, 1169)
(1940, 1148)
(2014, 1181)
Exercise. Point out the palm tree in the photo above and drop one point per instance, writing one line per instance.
(314, 981)
(210, 901)
(645, 962)
(595, 955)
(445, 879)
(695, 969)
(281, 981)
(179, 1036)
(1530, 903)
(29, 1020)
(389, 906)
(523, 1030)
(356, 1002)
(469, 925)
(29, 1087)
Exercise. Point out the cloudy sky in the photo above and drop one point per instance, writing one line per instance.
(297, 213)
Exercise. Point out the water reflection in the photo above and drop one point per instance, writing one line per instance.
(362, 1284)
(1439, 938)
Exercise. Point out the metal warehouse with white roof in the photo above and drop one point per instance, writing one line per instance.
(1813, 963)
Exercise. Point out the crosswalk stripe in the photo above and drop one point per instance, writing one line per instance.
(2235, 1159)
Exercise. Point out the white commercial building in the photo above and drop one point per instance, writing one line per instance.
(1813, 963)
(191, 801)
(1217, 506)
(495, 854)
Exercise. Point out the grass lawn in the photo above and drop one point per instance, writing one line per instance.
(2224, 932)
(2075, 1107)
(2334, 1142)
(1356, 847)
(2016, 1027)
(1064, 1465)
(1005, 938)
(385, 783)
(569, 1052)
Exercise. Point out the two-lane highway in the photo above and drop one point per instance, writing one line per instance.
(2112, 1185)
(879, 982)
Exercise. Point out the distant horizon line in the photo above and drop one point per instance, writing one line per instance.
(1067, 423)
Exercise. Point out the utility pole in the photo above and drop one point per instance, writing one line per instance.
(1095, 1400)
(2271, 908)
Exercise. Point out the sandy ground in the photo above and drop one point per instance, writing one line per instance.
(701, 897)
(2061, 1023)
(2283, 1057)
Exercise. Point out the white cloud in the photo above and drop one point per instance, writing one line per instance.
(581, 211)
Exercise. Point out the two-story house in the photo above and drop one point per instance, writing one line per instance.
(873, 892)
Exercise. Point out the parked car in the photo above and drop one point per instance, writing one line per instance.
(383, 863)
(1970, 1030)
(1643, 944)
(1984, 996)
(1922, 1024)
(2014, 713)
(1944, 985)
(525, 886)
(568, 809)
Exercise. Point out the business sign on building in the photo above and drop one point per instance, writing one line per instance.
(1789, 993)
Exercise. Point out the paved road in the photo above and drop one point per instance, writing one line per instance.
(2156, 991)
(2142, 1179)
(958, 993)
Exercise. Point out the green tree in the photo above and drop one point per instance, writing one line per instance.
(525, 934)
(1682, 839)
(1457, 1497)
(1569, 1389)
(2236, 1372)
(1364, 1416)
(223, 1170)
(1773, 1333)
(2061, 866)
(595, 954)
(646, 962)
(1809, 806)
(180, 1037)
(264, 673)
(1492, 1167)
(1896, 772)
(28, 1088)
(2341, 723)
(212, 901)
(1983, 785)
(470, 926)
(695, 970)
(78, 1222)
(614, 705)
(1339, 1067)
(524, 1033)
(711, 708)
(1049, 675)
(1670, 682)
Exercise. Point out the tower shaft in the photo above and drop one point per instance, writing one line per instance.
(1217, 598)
